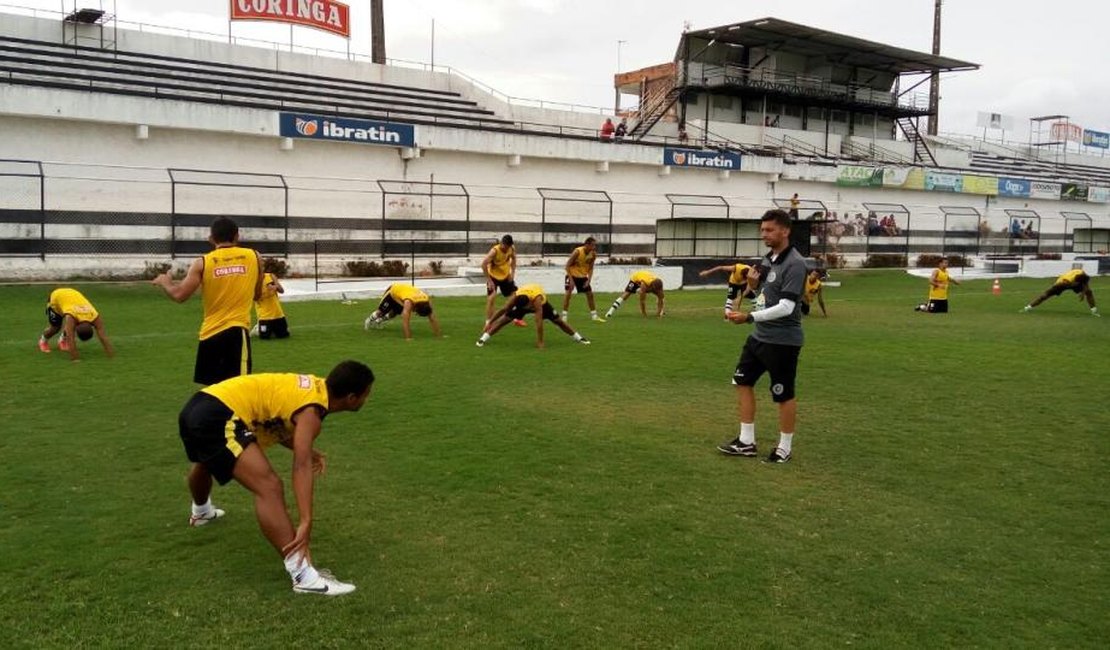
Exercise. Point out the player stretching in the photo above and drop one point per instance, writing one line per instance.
(403, 299)
(579, 272)
(775, 345)
(938, 290)
(813, 290)
(737, 282)
(1075, 280)
(499, 267)
(643, 283)
(271, 317)
(529, 299)
(71, 313)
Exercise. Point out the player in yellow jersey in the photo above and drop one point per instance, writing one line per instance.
(579, 271)
(643, 283)
(271, 317)
(220, 427)
(71, 313)
(529, 299)
(813, 289)
(938, 290)
(402, 300)
(230, 280)
(737, 282)
(1075, 280)
(499, 267)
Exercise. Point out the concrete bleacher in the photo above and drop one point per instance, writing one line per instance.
(1012, 166)
(54, 65)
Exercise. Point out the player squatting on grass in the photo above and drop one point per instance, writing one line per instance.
(775, 345)
(224, 429)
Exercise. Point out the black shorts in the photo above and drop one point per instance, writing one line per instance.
(521, 307)
(507, 287)
(212, 435)
(632, 287)
(579, 284)
(54, 318)
(388, 307)
(805, 308)
(937, 307)
(277, 328)
(781, 361)
(222, 356)
(1078, 286)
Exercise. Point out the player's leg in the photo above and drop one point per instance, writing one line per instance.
(782, 364)
(568, 288)
(280, 328)
(591, 303)
(200, 488)
(558, 321)
(628, 291)
(730, 297)
(253, 471)
(1054, 290)
(1090, 296)
(748, 371)
(53, 326)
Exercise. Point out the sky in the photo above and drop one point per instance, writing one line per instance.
(1037, 58)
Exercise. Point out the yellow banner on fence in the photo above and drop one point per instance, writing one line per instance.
(981, 185)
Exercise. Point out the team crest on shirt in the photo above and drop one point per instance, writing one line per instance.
(771, 276)
(304, 381)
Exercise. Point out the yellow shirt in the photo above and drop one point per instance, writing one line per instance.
(941, 292)
(583, 262)
(70, 302)
(268, 306)
(812, 287)
(266, 403)
(1066, 278)
(501, 266)
(227, 289)
(643, 277)
(739, 274)
(531, 291)
(403, 292)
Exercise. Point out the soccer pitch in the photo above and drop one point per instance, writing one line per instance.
(949, 486)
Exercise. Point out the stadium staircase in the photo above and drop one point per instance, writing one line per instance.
(653, 108)
(921, 152)
(53, 65)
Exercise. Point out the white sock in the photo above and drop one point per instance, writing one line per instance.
(299, 569)
(593, 313)
(577, 336)
(203, 508)
(747, 432)
(484, 337)
(785, 441)
(1094, 310)
(564, 315)
(1028, 308)
(728, 304)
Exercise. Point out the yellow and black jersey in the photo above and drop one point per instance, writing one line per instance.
(501, 264)
(811, 289)
(1071, 277)
(739, 274)
(583, 262)
(402, 292)
(70, 302)
(940, 277)
(531, 292)
(268, 306)
(643, 278)
(227, 289)
(267, 403)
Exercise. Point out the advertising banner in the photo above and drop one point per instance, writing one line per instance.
(1066, 131)
(1098, 194)
(708, 159)
(1039, 190)
(1096, 139)
(857, 176)
(328, 15)
(1073, 192)
(907, 178)
(1016, 187)
(995, 121)
(339, 129)
(987, 185)
(943, 182)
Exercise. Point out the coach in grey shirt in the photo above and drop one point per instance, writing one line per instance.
(776, 343)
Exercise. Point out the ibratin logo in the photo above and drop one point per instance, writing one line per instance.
(678, 158)
(306, 127)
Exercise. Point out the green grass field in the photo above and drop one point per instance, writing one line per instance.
(949, 488)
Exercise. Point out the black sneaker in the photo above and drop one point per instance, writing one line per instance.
(778, 456)
(736, 448)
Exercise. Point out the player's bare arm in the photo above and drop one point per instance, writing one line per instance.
(259, 276)
(571, 261)
(181, 291)
(406, 320)
(307, 425)
(102, 336)
(434, 322)
(537, 314)
(69, 328)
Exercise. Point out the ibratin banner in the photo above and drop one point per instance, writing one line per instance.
(943, 182)
(1073, 192)
(695, 158)
(856, 176)
(341, 129)
(987, 185)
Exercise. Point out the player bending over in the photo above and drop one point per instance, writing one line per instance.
(71, 313)
(737, 282)
(813, 290)
(402, 300)
(643, 283)
(225, 427)
(529, 299)
(1076, 280)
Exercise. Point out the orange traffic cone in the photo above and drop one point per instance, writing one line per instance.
(997, 288)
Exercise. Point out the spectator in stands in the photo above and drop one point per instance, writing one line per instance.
(795, 202)
(682, 137)
(873, 227)
(1028, 232)
(622, 129)
(607, 130)
(1015, 229)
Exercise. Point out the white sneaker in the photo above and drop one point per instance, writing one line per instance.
(325, 584)
(254, 330)
(366, 324)
(208, 517)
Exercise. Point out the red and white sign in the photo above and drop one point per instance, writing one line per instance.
(328, 15)
(1067, 131)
